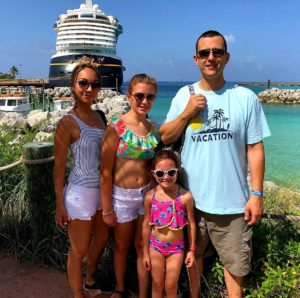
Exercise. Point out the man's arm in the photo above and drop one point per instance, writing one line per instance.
(256, 162)
(171, 131)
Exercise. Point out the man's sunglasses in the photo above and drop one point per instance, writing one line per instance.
(140, 96)
(218, 53)
(85, 84)
(162, 173)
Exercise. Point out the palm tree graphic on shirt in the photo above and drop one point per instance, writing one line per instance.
(216, 123)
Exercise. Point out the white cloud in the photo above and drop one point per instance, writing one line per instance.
(229, 38)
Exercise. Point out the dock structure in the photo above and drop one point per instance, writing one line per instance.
(25, 82)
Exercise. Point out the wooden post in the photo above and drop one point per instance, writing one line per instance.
(44, 106)
(40, 190)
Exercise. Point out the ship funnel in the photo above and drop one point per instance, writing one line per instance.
(88, 4)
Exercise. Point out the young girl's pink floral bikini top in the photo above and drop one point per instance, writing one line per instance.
(171, 214)
(132, 146)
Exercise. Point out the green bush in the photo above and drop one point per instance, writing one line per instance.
(9, 154)
(281, 200)
(276, 260)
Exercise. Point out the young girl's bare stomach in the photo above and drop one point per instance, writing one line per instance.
(166, 234)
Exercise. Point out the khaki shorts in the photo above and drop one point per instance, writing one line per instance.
(231, 237)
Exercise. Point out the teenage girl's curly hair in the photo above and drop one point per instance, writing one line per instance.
(79, 67)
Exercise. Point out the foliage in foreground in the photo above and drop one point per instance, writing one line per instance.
(11, 152)
(276, 243)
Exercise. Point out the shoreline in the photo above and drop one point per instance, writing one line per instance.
(272, 84)
(43, 82)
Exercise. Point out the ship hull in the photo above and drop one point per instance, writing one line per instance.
(61, 67)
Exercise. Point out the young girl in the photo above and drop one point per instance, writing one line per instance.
(168, 208)
(127, 150)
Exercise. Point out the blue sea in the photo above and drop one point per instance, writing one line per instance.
(282, 148)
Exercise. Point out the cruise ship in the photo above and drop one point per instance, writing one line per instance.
(86, 31)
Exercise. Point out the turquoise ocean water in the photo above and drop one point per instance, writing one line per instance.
(282, 148)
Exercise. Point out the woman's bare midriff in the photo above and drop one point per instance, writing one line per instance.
(131, 173)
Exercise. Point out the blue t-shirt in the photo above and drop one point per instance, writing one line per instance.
(213, 156)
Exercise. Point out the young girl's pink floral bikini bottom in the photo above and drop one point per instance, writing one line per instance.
(166, 248)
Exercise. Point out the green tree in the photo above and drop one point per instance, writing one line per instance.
(14, 71)
(5, 76)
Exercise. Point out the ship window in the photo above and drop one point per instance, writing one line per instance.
(87, 16)
(11, 102)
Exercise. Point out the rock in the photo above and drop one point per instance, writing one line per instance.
(269, 185)
(113, 104)
(48, 128)
(13, 120)
(283, 96)
(110, 102)
(43, 136)
(58, 92)
(35, 117)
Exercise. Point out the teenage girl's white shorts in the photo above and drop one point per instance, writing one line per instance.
(128, 204)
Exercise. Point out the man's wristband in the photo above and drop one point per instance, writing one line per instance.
(257, 193)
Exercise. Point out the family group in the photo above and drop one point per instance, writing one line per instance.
(120, 180)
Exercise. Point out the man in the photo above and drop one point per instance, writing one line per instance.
(223, 127)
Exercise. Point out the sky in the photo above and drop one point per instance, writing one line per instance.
(159, 36)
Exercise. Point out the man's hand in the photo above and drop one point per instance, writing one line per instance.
(196, 102)
(253, 210)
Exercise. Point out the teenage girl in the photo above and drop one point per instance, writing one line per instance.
(168, 208)
(127, 151)
(77, 204)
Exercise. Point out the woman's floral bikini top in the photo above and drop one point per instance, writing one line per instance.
(132, 146)
(171, 214)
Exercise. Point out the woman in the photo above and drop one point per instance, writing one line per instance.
(77, 205)
(127, 151)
